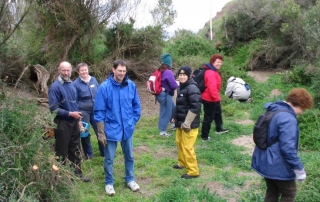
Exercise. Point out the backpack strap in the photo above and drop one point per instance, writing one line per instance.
(277, 138)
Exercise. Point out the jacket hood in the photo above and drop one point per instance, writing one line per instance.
(279, 105)
(124, 82)
(210, 66)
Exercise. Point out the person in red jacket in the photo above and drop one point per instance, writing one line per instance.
(211, 98)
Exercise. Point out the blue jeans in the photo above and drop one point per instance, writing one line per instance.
(109, 153)
(166, 109)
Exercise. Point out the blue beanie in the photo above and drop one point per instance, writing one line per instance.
(166, 59)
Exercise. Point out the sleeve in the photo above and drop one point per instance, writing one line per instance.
(229, 89)
(136, 105)
(55, 99)
(100, 104)
(170, 80)
(288, 140)
(194, 97)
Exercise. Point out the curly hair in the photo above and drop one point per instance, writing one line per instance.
(300, 97)
(214, 57)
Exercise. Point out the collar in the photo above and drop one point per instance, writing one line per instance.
(89, 78)
(62, 81)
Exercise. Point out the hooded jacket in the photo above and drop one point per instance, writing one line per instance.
(236, 89)
(118, 106)
(280, 159)
(188, 98)
(212, 81)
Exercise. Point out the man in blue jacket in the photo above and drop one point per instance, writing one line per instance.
(117, 110)
(279, 164)
(63, 100)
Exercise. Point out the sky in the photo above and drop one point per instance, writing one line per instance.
(191, 14)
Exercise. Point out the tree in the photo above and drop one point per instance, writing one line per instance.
(12, 14)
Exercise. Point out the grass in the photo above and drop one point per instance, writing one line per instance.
(225, 173)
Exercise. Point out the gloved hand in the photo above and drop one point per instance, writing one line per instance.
(301, 175)
(83, 130)
(187, 122)
(102, 137)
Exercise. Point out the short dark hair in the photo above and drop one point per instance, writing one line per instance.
(119, 62)
(214, 57)
(82, 64)
(300, 97)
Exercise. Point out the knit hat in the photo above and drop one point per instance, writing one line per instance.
(185, 70)
(166, 59)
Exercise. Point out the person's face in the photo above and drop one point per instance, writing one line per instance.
(182, 78)
(65, 71)
(217, 63)
(119, 73)
(83, 72)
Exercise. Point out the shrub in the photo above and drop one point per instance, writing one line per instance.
(309, 130)
(299, 75)
(21, 146)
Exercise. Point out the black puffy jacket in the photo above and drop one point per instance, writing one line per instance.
(188, 98)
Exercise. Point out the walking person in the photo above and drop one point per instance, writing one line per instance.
(169, 85)
(117, 110)
(211, 98)
(87, 86)
(187, 120)
(279, 163)
(63, 101)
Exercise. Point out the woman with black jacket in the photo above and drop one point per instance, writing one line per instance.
(187, 119)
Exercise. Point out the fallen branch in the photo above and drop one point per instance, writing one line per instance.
(15, 86)
(23, 190)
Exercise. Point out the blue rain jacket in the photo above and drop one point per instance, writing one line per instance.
(279, 160)
(118, 106)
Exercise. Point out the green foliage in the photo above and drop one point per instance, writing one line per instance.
(178, 193)
(299, 75)
(243, 54)
(22, 146)
(187, 44)
(310, 130)
(316, 89)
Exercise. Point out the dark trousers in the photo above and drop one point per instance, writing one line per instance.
(88, 117)
(212, 112)
(67, 144)
(286, 190)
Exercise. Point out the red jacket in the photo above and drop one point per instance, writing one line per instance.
(212, 81)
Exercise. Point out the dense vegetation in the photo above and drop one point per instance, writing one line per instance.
(251, 34)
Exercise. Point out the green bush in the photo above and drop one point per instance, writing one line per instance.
(299, 75)
(21, 146)
(310, 130)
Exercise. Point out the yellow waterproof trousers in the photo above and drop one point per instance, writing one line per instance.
(186, 155)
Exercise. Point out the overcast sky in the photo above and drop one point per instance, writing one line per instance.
(191, 14)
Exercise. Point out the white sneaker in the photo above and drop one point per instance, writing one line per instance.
(110, 190)
(133, 186)
(165, 134)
